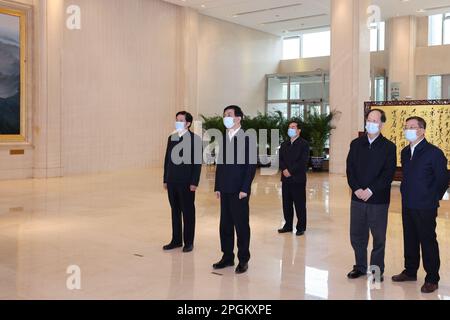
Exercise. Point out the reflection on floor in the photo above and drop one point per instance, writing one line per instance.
(113, 226)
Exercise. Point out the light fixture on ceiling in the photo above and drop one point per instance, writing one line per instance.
(420, 11)
(295, 19)
(268, 9)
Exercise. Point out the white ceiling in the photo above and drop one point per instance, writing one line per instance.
(291, 17)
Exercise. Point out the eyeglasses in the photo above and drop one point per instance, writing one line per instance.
(411, 128)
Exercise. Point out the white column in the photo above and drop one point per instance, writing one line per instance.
(187, 86)
(349, 75)
(47, 113)
(402, 47)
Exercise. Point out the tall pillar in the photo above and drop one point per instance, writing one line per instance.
(187, 88)
(402, 47)
(47, 115)
(349, 75)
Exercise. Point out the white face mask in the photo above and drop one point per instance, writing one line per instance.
(228, 122)
(372, 128)
(411, 135)
(179, 126)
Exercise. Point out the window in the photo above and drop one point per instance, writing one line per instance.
(380, 89)
(377, 36)
(316, 44)
(447, 28)
(439, 29)
(434, 87)
(278, 107)
(278, 88)
(308, 45)
(291, 48)
(298, 95)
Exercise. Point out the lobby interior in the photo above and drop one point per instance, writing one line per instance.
(103, 82)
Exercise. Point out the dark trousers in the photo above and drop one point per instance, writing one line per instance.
(294, 194)
(419, 230)
(182, 201)
(234, 214)
(367, 218)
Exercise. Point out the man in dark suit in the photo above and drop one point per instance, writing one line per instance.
(182, 167)
(236, 168)
(371, 165)
(425, 181)
(294, 159)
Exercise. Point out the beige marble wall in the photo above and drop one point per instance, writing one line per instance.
(119, 85)
(232, 65)
(378, 61)
(106, 95)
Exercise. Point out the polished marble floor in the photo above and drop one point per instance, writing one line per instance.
(112, 226)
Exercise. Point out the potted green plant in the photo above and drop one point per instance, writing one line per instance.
(259, 122)
(319, 127)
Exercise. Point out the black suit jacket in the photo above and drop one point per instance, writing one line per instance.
(425, 176)
(237, 174)
(372, 166)
(186, 172)
(295, 158)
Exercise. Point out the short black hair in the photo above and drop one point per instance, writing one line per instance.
(383, 114)
(421, 121)
(237, 111)
(187, 116)
(294, 121)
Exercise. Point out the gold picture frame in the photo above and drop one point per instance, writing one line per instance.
(21, 135)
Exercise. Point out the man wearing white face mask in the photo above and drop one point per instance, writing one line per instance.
(236, 169)
(371, 165)
(294, 157)
(425, 181)
(182, 168)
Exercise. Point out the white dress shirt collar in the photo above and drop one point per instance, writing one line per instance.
(232, 133)
(414, 147)
(372, 140)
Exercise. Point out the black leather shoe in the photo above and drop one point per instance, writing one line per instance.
(299, 233)
(354, 274)
(242, 268)
(188, 248)
(429, 287)
(403, 277)
(284, 230)
(172, 246)
(223, 264)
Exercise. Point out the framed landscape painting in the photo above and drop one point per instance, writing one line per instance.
(12, 75)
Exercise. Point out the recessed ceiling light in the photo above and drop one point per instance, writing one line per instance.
(420, 11)
(203, 6)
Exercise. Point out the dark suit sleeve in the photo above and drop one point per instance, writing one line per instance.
(281, 158)
(440, 173)
(384, 181)
(302, 162)
(218, 183)
(196, 160)
(166, 160)
(351, 175)
(250, 169)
